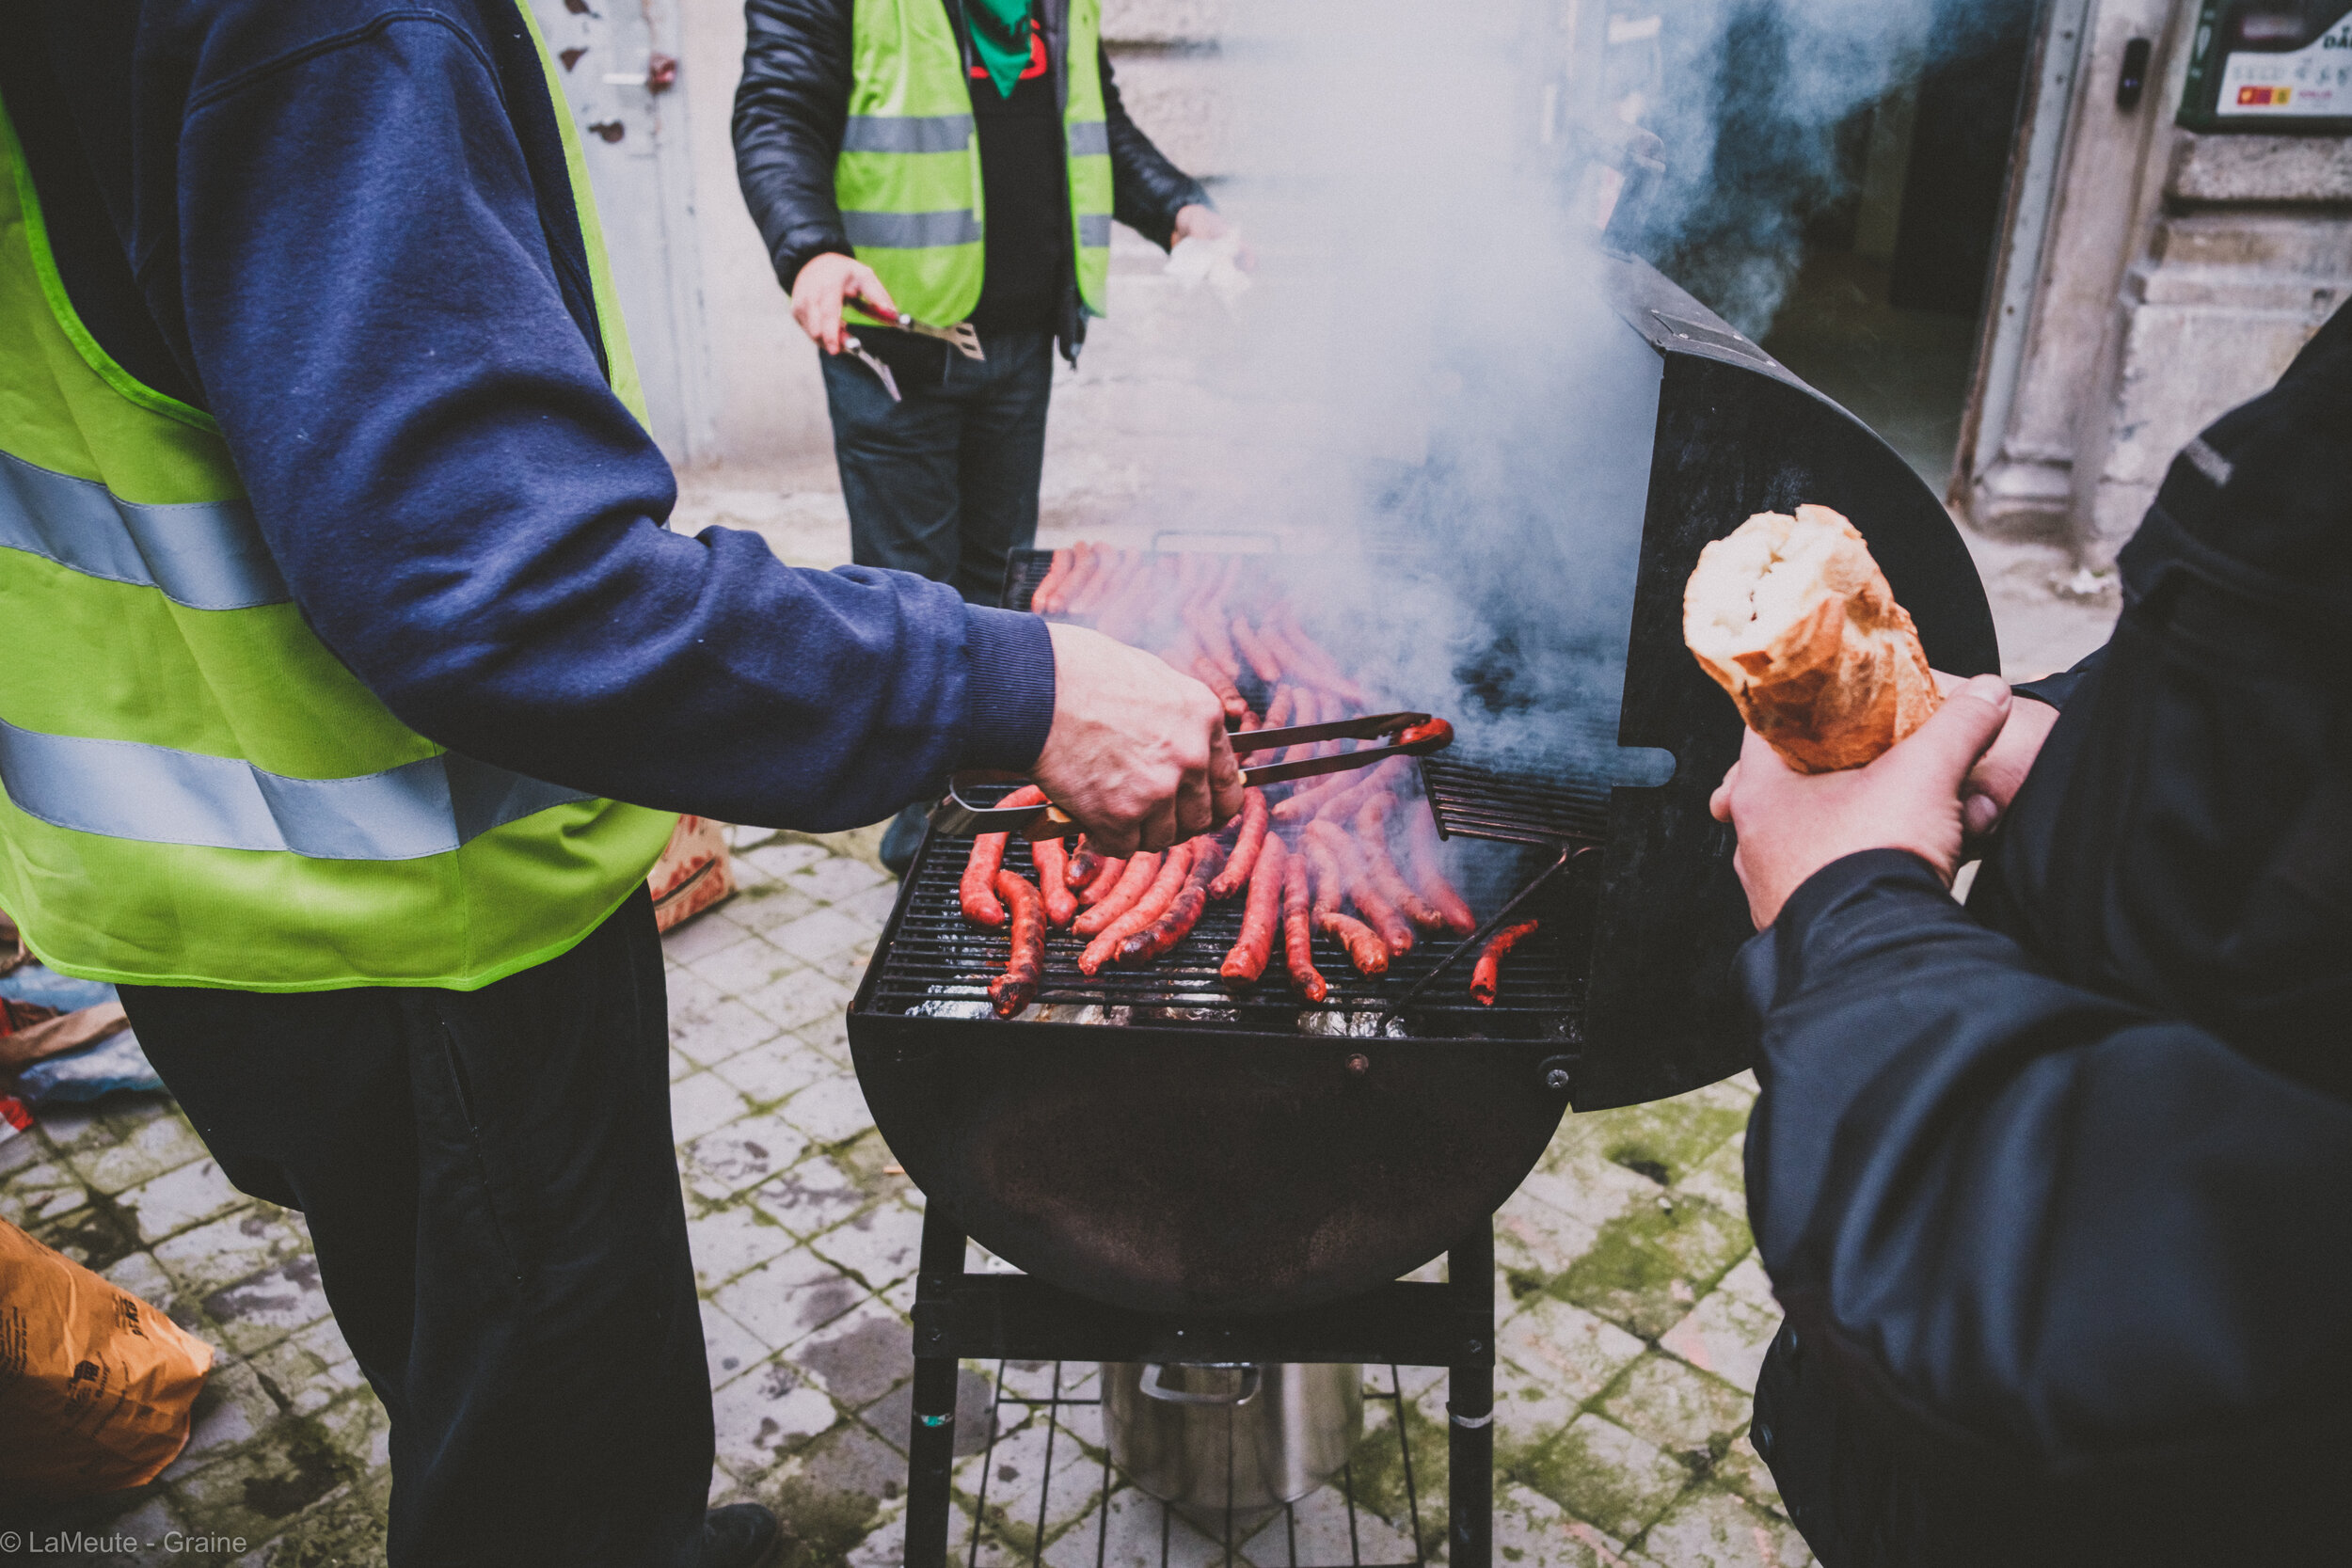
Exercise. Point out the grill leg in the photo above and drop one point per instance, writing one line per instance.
(1471, 1404)
(932, 1433)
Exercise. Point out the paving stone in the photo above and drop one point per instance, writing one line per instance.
(769, 905)
(871, 907)
(859, 1356)
(743, 968)
(702, 1102)
(771, 1073)
(741, 1155)
(1601, 1472)
(687, 993)
(800, 999)
(21, 1148)
(730, 1348)
(681, 1065)
(830, 1493)
(310, 1369)
(1590, 1186)
(701, 937)
(361, 1427)
(1128, 1536)
(1567, 1347)
(160, 1144)
(829, 1111)
(879, 1246)
(812, 1196)
(139, 1274)
(1727, 1333)
(786, 1297)
(1039, 1482)
(69, 1129)
(97, 1236)
(257, 1491)
(836, 878)
(1530, 1410)
(234, 1248)
(233, 1408)
(828, 1036)
(1743, 1470)
(1721, 1179)
(1678, 1408)
(1317, 1529)
(727, 1241)
(1536, 1240)
(190, 1195)
(890, 1417)
(847, 968)
(783, 859)
(765, 1414)
(819, 933)
(1713, 1529)
(258, 1311)
(1533, 1531)
(884, 1548)
(343, 1529)
(724, 1031)
(1650, 1264)
(35, 1193)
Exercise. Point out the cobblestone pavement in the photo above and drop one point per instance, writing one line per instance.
(1636, 1311)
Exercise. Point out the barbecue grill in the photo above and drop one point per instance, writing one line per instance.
(1186, 1175)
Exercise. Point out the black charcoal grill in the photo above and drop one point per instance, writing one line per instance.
(1182, 1175)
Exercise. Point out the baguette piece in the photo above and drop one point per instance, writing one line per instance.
(1793, 618)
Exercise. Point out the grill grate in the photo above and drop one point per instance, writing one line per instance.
(1513, 807)
(1016, 1501)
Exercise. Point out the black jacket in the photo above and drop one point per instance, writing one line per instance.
(2057, 1189)
(794, 103)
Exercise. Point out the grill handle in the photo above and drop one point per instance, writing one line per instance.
(1152, 1387)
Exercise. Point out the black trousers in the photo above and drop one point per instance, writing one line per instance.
(944, 483)
(490, 1181)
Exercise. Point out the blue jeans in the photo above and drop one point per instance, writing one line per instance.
(944, 483)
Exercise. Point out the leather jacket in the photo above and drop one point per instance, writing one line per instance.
(794, 103)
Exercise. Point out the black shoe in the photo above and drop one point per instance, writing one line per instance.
(903, 837)
(741, 1535)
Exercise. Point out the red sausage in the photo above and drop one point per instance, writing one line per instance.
(1052, 857)
(1421, 838)
(1261, 657)
(1121, 898)
(977, 892)
(1395, 931)
(1261, 918)
(1017, 987)
(1247, 849)
(1212, 675)
(1103, 883)
(1083, 865)
(1177, 921)
(1365, 949)
(1298, 932)
(1487, 974)
(1042, 597)
(1145, 909)
(1371, 840)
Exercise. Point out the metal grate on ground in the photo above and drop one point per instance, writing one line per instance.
(1015, 1520)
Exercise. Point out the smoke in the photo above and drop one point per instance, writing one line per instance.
(1431, 396)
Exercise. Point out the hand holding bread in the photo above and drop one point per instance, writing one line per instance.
(1793, 618)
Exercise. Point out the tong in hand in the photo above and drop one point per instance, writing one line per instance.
(1416, 735)
(964, 337)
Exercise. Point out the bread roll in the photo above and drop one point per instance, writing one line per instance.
(1793, 618)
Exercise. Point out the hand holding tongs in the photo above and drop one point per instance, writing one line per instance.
(1417, 733)
(964, 337)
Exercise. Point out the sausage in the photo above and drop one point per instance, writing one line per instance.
(1102, 883)
(1025, 969)
(1372, 841)
(1342, 804)
(1122, 897)
(1052, 857)
(1487, 974)
(1298, 932)
(1345, 790)
(1083, 600)
(1365, 949)
(1395, 931)
(1144, 910)
(1182, 912)
(1084, 565)
(1042, 597)
(1083, 865)
(977, 892)
(1327, 873)
(1246, 849)
(1208, 624)
(1305, 657)
(1253, 648)
(1261, 917)
(1436, 729)
(1213, 676)
(1428, 863)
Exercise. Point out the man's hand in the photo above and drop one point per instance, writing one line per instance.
(1196, 222)
(1790, 824)
(1137, 751)
(1994, 782)
(824, 283)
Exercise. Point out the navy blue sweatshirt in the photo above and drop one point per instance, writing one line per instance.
(344, 228)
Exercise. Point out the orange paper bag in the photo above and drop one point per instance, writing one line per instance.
(694, 872)
(95, 1385)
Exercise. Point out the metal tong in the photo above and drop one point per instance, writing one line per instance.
(1416, 735)
(964, 337)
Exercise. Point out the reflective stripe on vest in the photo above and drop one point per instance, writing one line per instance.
(908, 178)
(193, 790)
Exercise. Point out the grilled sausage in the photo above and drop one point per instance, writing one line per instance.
(1395, 931)
(1122, 897)
(1025, 969)
(1371, 842)
(1298, 932)
(1346, 790)
(977, 892)
(1103, 883)
(1213, 676)
(1042, 597)
(1428, 863)
(1052, 857)
(1487, 974)
(1253, 649)
(1208, 624)
(1261, 918)
(1305, 657)
(1144, 910)
(1435, 729)
(1086, 560)
(1344, 804)
(1182, 912)
(1246, 849)
(1082, 867)
(1365, 949)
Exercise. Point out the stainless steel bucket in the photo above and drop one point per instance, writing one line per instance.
(1240, 1437)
